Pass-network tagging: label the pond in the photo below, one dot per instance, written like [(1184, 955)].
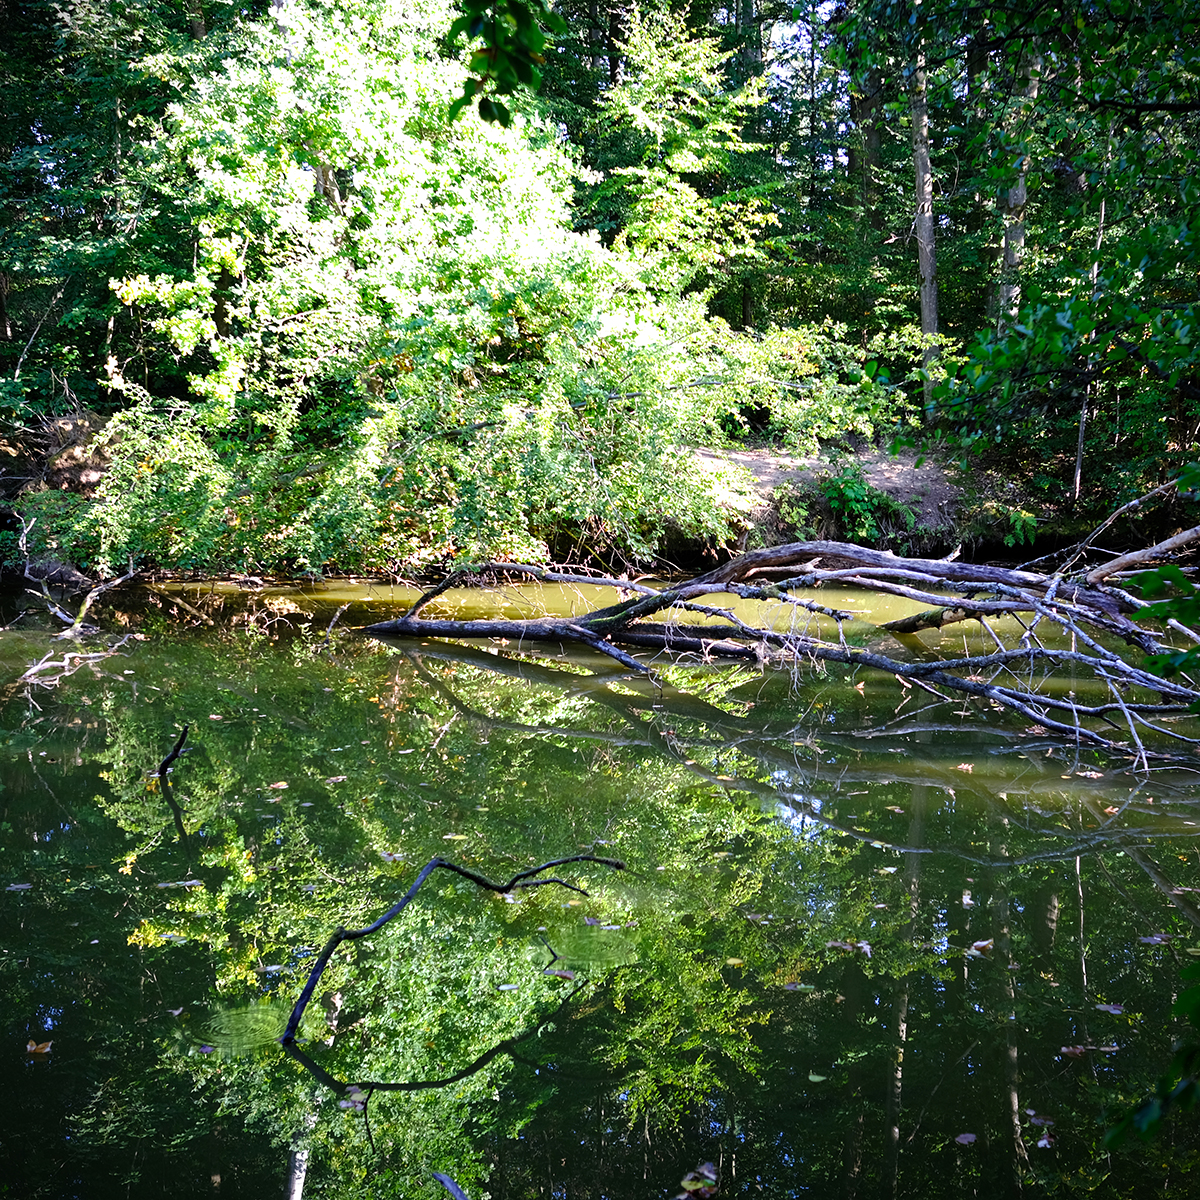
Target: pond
[(866, 941)]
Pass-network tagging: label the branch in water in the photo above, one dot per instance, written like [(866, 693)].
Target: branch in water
[(522, 879)]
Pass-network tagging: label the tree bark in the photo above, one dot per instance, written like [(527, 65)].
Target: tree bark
[(923, 226), (1015, 199), (195, 13), (895, 1093)]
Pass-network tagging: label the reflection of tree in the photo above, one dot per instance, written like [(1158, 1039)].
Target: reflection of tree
[(700, 1039)]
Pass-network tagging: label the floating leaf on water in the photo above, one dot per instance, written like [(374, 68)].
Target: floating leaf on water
[(1034, 1119), (1115, 1009), (454, 837), (980, 948), (1157, 939), (215, 717), (734, 962), (1046, 1141), (591, 920), (965, 1139), (1112, 810), (559, 974), (506, 987), (895, 808), (968, 767), (278, 786), (799, 987), (813, 1077), (33, 1047), (861, 947), (182, 883), (18, 887), (1076, 1051), (887, 870), (337, 779)]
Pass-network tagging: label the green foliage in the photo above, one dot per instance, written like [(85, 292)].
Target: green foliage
[(1178, 1088), (845, 506), (514, 36)]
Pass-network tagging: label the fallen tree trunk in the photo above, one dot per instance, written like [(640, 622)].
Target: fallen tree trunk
[(1087, 621)]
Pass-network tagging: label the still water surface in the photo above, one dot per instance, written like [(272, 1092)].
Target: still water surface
[(867, 943)]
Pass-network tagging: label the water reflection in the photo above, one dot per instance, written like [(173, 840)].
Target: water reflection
[(869, 941)]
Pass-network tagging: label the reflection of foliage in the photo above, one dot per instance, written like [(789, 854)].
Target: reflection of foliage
[(1178, 1089), (721, 1014)]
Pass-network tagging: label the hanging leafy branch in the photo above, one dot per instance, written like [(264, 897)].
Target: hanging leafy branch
[(513, 36)]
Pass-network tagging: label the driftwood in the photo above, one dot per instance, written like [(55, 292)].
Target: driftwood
[(1087, 618)]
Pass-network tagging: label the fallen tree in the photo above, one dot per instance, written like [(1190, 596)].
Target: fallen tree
[(1082, 622)]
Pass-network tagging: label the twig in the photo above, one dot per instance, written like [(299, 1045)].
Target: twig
[(332, 623)]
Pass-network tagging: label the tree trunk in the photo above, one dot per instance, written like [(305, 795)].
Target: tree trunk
[(1010, 1053), (195, 14), (1015, 199), (595, 37), (912, 878), (923, 221), (614, 53)]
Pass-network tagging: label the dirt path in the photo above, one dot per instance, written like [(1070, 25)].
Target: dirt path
[(929, 489)]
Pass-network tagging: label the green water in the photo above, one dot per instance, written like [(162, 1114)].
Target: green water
[(823, 870)]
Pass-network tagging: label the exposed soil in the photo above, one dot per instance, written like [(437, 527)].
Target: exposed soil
[(929, 490)]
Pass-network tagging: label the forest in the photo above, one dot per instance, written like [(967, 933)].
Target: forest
[(481, 786), (318, 288)]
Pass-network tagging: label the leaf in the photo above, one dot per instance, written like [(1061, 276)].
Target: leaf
[(813, 1077), (1115, 1009), (861, 947), (559, 974), (337, 779), (18, 887), (968, 767), (33, 1047), (278, 786), (965, 1139)]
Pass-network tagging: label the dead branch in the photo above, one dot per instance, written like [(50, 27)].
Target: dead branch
[(1136, 558), (1088, 619), (522, 879)]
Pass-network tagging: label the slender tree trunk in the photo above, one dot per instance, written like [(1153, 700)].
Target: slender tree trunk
[(923, 221), (912, 879), (5, 321), (298, 1161), (614, 54), (195, 13), (595, 37), (1016, 197), (1077, 482), (1010, 1052), (854, 988), (872, 143), (750, 35)]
